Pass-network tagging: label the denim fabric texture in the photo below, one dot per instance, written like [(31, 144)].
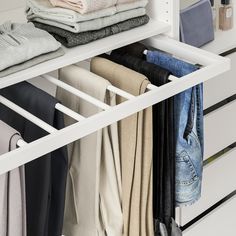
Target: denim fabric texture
[(188, 107)]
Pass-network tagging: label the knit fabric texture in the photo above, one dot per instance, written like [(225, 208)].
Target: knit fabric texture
[(69, 39)]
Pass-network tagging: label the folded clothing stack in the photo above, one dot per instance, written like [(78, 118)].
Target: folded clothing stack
[(29, 45), (86, 20)]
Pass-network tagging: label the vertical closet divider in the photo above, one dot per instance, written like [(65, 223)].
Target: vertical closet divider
[(27, 115)]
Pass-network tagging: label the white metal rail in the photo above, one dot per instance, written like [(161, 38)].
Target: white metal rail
[(213, 66), (76, 92), (27, 115), (21, 143)]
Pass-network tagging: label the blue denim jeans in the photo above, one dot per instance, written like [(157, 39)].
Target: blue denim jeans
[(188, 108)]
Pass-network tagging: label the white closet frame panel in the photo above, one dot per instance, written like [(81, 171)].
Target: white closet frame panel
[(213, 65), (166, 11)]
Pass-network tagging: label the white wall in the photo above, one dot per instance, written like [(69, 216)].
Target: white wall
[(11, 4), (12, 10)]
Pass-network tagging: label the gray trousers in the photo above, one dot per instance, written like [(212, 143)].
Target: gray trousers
[(12, 189)]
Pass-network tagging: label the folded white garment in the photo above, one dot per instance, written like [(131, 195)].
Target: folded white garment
[(95, 24), (43, 9), (85, 6), (22, 42)]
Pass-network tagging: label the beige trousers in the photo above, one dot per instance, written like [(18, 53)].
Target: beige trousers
[(12, 189), (93, 195), (135, 133)]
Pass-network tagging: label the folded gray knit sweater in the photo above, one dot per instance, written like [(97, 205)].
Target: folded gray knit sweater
[(69, 39), (22, 42)]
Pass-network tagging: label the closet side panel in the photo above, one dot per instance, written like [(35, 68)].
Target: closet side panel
[(166, 11)]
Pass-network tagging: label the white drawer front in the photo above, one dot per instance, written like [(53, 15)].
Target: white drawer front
[(221, 87), (220, 129), (219, 179), (221, 222)]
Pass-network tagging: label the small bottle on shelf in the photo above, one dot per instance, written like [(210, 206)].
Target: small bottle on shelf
[(226, 15)]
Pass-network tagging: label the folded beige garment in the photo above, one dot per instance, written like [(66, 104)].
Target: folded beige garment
[(86, 6)]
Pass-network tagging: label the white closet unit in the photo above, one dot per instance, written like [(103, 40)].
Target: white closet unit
[(161, 32), (163, 25)]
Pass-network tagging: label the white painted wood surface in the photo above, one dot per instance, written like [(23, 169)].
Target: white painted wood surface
[(220, 129), (219, 179), (224, 40), (220, 222), (222, 86)]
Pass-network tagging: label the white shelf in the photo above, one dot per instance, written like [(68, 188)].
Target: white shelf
[(224, 41), (84, 52)]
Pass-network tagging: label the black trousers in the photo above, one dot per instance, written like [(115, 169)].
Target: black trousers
[(163, 135), (46, 176)]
